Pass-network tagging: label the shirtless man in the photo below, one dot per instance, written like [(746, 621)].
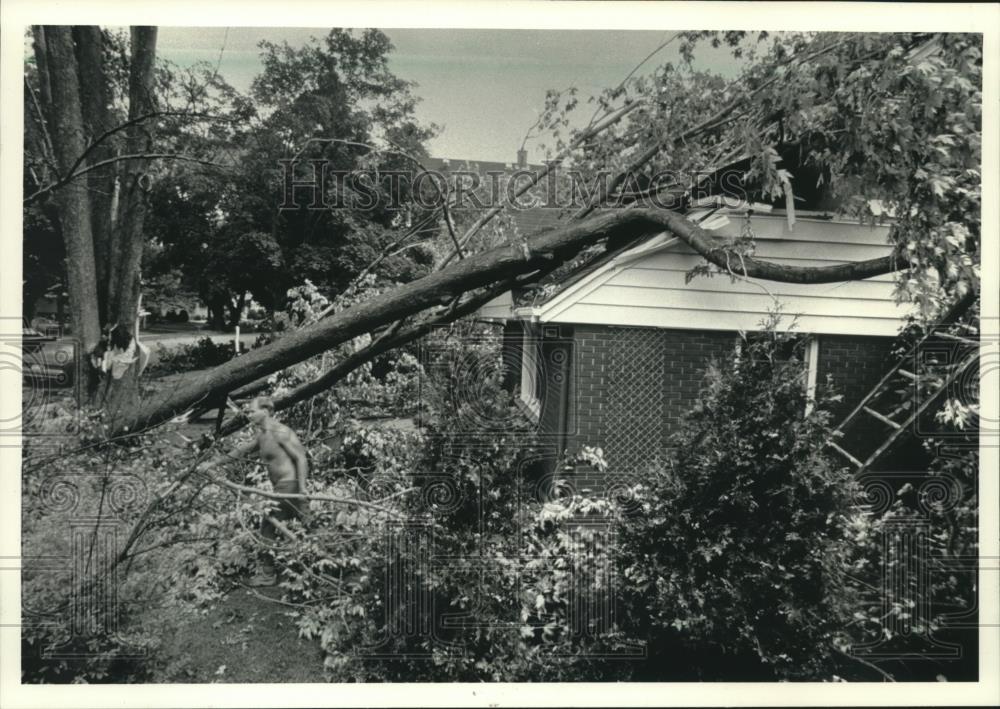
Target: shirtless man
[(287, 466)]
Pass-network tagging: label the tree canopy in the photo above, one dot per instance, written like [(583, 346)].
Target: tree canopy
[(330, 100), (887, 125), (168, 181)]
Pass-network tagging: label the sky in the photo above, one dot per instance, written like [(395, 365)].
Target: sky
[(483, 87)]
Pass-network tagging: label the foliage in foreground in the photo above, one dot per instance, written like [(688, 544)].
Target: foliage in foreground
[(187, 357), (744, 555), (731, 558)]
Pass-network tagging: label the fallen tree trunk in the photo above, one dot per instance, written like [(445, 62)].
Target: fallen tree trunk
[(478, 271), (391, 339)]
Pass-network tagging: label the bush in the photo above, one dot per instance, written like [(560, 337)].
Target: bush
[(733, 560), (456, 492), (732, 569), (914, 566), (201, 354), (729, 560)]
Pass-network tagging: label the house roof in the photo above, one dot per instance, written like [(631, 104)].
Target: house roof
[(647, 280), (480, 166), (647, 283), (528, 221), (602, 256)]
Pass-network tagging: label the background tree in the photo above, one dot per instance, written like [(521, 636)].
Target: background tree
[(890, 117), (331, 100)]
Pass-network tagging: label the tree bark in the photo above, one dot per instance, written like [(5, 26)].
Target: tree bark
[(217, 313), (95, 101), (478, 271), (121, 394), (42, 62), (55, 52), (236, 310), (387, 341)]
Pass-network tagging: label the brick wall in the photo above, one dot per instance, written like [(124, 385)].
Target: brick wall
[(604, 353), (589, 381), (854, 364), (688, 352)]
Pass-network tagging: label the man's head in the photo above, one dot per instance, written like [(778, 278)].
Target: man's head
[(261, 408)]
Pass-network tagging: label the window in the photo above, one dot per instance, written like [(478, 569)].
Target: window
[(808, 346), (812, 367), (531, 377)]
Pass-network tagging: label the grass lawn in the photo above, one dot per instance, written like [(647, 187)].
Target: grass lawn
[(243, 638)]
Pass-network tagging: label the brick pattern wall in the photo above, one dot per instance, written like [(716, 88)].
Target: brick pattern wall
[(602, 355), (855, 365), (635, 376), (688, 352), (590, 392)]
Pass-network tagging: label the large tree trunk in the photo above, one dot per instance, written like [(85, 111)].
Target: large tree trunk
[(475, 272), (217, 312), (236, 310), (103, 250), (121, 393), (57, 64), (95, 101)]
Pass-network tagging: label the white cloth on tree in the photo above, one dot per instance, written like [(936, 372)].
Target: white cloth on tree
[(143, 358), (120, 360), (360, 342)]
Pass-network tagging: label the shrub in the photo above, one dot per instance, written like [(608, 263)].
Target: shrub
[(201, 354), (733, 560), (917, 603), (569, 585), (456, 492), (731, 570), (728, 561), (914, 565)]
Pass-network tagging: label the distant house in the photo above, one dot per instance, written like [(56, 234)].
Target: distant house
[(613, 353)]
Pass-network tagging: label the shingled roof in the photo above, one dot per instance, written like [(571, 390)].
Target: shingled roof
[(528, 221)]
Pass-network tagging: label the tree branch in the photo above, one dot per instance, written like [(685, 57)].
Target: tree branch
[(477, 271), (536, 177), (132, 122), (48, 154), (708, 247), (888, 677), (137, 156), (301, 496), (393, 338)]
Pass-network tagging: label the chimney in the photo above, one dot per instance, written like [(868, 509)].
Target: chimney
[(522, 158)]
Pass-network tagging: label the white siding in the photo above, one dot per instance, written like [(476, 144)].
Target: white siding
[(650, 289)]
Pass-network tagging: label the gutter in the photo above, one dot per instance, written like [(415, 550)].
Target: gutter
[(529, 313)]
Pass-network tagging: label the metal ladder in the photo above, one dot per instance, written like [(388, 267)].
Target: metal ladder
[(940, 376)]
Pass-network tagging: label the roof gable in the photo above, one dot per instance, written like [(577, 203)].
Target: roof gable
[(646, 285)]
